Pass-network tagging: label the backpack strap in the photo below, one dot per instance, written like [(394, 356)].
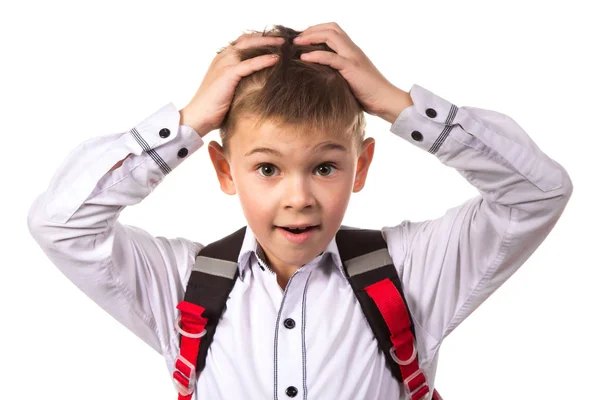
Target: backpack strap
[(370, 272), (372, 275), (211, 280)]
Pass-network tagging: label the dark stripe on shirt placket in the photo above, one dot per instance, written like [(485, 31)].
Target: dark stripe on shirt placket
[(304, 337)]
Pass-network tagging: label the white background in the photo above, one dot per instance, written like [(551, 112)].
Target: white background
[(73, 70)]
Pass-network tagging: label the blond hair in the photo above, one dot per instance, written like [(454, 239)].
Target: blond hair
[(303, 96)]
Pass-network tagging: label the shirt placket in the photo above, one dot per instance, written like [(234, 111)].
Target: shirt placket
[(288, 344)]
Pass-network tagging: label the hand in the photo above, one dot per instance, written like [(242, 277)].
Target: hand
[(212, 100), (373, 91)]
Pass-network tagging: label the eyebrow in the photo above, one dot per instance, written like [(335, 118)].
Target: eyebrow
[(325, 146)]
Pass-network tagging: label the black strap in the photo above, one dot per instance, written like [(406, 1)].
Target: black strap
[(210, 284), (366, 260)]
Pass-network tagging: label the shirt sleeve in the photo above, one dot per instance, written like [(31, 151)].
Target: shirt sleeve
[(450, 265), (134, 276)]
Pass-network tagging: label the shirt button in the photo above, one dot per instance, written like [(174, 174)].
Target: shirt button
[(291, 391), (289, 323), (164, 133), (182, 152), (430, 113), (416, 135)]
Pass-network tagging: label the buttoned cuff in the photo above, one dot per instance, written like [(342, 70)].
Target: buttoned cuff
[(427, 122), (163, 139)]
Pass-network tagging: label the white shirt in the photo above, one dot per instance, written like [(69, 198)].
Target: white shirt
[(448, 266)]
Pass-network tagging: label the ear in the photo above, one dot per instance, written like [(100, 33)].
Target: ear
[(363, 163), (222, 167)]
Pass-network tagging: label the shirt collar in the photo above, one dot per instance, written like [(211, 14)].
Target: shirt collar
[(251, 246)]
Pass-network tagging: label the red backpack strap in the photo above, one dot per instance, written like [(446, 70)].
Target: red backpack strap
[(373, 277), (403, 350), (193, 327), (211, 280)]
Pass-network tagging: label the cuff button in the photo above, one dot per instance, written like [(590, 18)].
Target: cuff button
[(182, 152), (164, 133), (430, 113), (416, 135)]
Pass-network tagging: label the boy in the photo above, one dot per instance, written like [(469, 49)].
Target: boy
[(293, 150)]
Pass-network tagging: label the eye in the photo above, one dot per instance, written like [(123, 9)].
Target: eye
[(268, 168), (326, 167)]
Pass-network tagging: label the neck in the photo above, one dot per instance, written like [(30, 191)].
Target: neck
[(283, 272), (267, 262)]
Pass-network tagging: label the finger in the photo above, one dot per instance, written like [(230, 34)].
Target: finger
[(254, 64), (252, 41), (259, 41), (318, 27), (329, 37), (326, 57)]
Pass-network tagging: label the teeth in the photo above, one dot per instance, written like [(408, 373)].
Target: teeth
[(297, 229)]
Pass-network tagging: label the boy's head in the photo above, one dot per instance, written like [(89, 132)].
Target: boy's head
[(293, 149)]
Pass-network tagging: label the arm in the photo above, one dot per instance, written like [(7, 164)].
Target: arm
[(131, 274), (450, 265)]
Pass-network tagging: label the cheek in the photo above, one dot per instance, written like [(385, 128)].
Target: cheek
[(255, 203), (336, 197), (337, 204)]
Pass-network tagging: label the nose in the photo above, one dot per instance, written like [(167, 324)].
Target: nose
[(299, 193)]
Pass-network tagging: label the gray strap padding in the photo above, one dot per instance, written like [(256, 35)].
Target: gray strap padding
[(368, 262), (214, 266)]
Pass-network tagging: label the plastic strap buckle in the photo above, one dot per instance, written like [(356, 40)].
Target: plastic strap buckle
[(410, 378), (401, 362), (189, 389), (188, 334)]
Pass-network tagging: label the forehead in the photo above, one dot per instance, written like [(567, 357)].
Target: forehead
[(285, 137)]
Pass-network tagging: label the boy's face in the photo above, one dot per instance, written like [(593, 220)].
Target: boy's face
[(296, 183)]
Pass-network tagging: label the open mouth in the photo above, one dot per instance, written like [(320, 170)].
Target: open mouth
[(298, 231)]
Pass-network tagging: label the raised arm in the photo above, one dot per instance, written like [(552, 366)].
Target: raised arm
[(451, 264), (138, 278), (125, 270)]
